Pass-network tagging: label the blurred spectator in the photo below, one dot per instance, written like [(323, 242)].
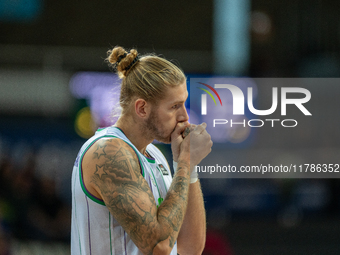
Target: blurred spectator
[(30, 208), (217, 243), (6, 177), (6, 180), (5, 242), (23, 189), (49, 216)]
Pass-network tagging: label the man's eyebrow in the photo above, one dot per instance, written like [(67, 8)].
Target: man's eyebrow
[(181, 101), (178, 102)]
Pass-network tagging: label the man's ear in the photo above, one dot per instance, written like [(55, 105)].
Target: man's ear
[(142, 108)]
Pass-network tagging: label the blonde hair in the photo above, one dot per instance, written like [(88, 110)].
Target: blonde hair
[(145, 77)]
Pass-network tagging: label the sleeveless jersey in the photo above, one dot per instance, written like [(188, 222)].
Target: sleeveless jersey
[(94, 230)]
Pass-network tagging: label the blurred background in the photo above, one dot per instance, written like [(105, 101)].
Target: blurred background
[(56, 89)]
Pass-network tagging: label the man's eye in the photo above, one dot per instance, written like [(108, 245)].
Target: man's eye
[(175, 106)]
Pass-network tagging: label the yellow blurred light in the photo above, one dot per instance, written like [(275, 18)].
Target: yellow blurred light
[(84, 124)]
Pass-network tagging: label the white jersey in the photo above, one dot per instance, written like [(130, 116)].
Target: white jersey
[(94, 230)]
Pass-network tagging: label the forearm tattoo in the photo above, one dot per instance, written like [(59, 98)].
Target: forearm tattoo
[(130, 200)]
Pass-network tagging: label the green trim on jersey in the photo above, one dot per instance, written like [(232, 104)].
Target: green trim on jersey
[(89, 195), (150, 160)]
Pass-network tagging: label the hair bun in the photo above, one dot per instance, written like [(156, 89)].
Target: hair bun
[(121, 60)]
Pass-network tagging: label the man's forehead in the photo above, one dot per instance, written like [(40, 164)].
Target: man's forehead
[(177, 93)]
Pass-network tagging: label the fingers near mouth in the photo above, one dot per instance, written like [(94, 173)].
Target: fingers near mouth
[(186, 132)]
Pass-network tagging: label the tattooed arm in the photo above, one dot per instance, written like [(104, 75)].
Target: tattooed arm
[(112, 172), (191, 238)]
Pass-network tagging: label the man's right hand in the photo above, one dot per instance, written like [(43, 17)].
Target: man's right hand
[(196, 145)]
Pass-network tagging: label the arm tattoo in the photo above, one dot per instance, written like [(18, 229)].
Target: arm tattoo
[(173, 208), (100, 151), (130, 200)]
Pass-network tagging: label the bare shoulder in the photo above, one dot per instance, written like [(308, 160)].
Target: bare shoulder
[(110, 152), (110, 161), (114, 158)]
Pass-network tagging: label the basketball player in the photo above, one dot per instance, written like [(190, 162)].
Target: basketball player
[(124, 200)]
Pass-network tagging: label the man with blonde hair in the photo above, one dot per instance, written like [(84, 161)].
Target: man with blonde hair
[(124, 200)]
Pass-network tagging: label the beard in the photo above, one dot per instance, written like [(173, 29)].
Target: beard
[(154, 129)]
